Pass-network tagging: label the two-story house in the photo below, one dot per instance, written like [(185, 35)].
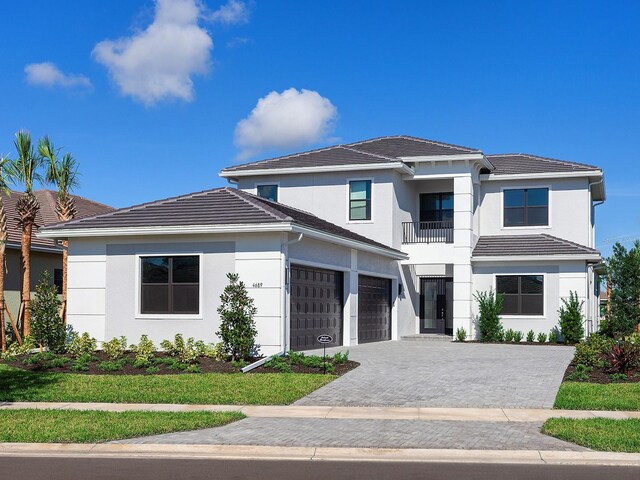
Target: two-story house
[(368, 241)]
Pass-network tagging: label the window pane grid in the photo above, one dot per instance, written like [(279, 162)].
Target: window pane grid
[(179, 293), (526, 207), (360, 200), (522, 294)]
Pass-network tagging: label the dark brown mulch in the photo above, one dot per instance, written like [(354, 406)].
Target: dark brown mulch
[(340, 369), (546, 344), (601, 375)]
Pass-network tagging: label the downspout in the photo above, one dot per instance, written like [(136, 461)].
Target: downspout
[(593, 208)]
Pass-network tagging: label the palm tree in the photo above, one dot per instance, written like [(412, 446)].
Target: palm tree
[(24, 169), (64, 174), (4, 188)]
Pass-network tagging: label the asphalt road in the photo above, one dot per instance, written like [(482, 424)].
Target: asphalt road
[(51, 468)]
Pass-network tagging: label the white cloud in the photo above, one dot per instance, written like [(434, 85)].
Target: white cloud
[(46, 74), (157, 64), (231, 13), (285, 120)]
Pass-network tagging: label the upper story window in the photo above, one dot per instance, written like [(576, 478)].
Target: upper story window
[(270, 192), (170, 285), (360, 200), (523, 294), (526, 207), (436, 207)]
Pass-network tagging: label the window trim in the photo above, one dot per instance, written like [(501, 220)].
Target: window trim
[(521, 274), (453, 210), (167, 316), (348, 185), (263, 184), (525, 227)]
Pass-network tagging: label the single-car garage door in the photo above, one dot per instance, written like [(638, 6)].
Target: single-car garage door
[(374, 309), (316, 306)]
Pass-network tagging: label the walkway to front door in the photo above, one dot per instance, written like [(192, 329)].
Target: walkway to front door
[(444, 374)]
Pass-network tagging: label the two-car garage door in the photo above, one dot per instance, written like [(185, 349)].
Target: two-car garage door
[(317, 307)]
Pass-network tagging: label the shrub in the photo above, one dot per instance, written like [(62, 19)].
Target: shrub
[(461, 334), (618, 377), (517, 336), (542, 337), (531, 336), (194, 369), (47, 327), (15, 348), (340, 358), (297, 358), (571, 319), (82, 363), (239, 363), (115, 348), (591, 351), (143, 351), (40, 360), (623, 277), (152, 369), (278, 363), (489, 324), (623, 356), (553, 336), (112, 365), (185, 351), (84, 344), (215, 352), (509, 335), (237, 327), (581, 373)]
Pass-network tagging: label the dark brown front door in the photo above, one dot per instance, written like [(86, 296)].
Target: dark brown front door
[(316, 306), (374, 309), (436, 305)]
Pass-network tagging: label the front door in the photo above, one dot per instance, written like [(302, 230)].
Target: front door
[(436, 305)]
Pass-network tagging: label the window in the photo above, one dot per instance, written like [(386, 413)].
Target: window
[(436, 207), (526, 207), (170, 285), (523, 294), (57, 279), (270, 192), (360, 200)]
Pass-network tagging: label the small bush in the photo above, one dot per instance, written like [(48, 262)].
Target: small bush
[(152, 370), (509, 335), (591, 351), (340, 358), (542, 337), (461, 334), (47, 327), (40, 360), (296, 358), (144, 352), (215, 352), (239, 363), (187, 351), (59, 362), (553, 336), (517, 336), (115, 348), (571, 319), (618, 377), (531, 336), (237, 327), (82, 363), (278, 363), (112, 365), (489, 324), (623, 356), (14, 349), (581, 373), (83, 344)]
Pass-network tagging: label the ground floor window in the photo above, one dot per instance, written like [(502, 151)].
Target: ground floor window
[(57, 279), (170, 285), (523, 294)]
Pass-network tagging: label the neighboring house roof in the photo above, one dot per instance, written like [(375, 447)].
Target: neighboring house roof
[(523, 163), (529, 245), (46, 215), (219, 207)]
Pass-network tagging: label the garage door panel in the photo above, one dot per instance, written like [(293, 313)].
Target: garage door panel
[(374, 309), (316, 306)]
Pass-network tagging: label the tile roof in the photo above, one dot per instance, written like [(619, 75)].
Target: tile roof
[(407, 146), (219, 206), (46, 215), (519, 163), (534, 244)]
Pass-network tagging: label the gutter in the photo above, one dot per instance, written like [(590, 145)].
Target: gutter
[(536, 258), (235, 174)]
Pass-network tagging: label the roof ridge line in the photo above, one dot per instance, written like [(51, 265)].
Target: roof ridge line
[(378, 155), (247, 198), (423, 140)]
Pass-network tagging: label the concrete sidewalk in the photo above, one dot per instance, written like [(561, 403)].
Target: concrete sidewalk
[(372, 413)]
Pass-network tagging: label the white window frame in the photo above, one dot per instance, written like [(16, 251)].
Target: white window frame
[(168, 316), (263, 184), (520, 274), (348, 186), (525, 227)]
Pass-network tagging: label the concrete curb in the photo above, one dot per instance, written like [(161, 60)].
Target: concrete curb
[(250, 452), (375, 413)]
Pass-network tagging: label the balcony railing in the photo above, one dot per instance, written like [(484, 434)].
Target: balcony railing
[(427, 232)]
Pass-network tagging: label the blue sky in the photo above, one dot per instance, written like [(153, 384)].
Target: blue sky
[(146, 120)]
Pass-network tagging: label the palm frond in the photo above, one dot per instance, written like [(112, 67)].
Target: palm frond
[(66, 177), (5, 174), (25, 168)]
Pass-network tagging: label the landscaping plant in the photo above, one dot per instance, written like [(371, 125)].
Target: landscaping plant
[(571, 319), (623, 356), (517, 336), (542, 337), (47, 328), (115, 348), (237, 327), (83, 344), (144, 352), (553, 336), (531, 336), (461, 334), (509, 335), (489, 325)]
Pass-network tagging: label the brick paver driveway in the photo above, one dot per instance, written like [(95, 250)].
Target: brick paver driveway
[(445, 374)]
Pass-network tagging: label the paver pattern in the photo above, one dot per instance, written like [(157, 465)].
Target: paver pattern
[(443, 374), (316, 432)]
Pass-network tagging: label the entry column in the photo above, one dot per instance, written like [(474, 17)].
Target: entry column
[(462, 243)]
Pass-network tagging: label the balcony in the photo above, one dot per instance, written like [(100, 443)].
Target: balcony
[(427, 232)]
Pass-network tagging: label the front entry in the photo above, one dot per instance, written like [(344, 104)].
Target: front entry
[(436, 305)]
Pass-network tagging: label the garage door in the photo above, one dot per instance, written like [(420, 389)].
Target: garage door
[(316, 306), (374, 309)]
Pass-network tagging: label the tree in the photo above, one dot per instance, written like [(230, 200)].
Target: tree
[(623, 281), (489, 325), (24, 169), (63, 173), (47, 328), (4, 188), (237, 327), (571, 319)]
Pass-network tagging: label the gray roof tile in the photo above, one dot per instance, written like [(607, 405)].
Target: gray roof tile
[(519, 163), (407, 146), (534, 244)]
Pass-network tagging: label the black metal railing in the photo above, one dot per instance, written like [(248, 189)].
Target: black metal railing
[(427, 232)]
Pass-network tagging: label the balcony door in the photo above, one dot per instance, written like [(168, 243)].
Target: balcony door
[(436, 305)]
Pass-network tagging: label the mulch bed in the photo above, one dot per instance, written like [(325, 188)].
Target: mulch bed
[(600, 375), (340, 369), (546, 344)]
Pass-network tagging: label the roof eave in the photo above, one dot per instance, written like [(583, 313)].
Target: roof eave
[(535, 176), (593, 257), (234, 174)]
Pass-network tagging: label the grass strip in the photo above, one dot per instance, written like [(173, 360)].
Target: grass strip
[(92, 426), (603, 434), (598, 396)]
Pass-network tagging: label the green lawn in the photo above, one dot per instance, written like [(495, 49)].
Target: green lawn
[(597, 433), (89, 426), (597, 396), (17, 385)]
